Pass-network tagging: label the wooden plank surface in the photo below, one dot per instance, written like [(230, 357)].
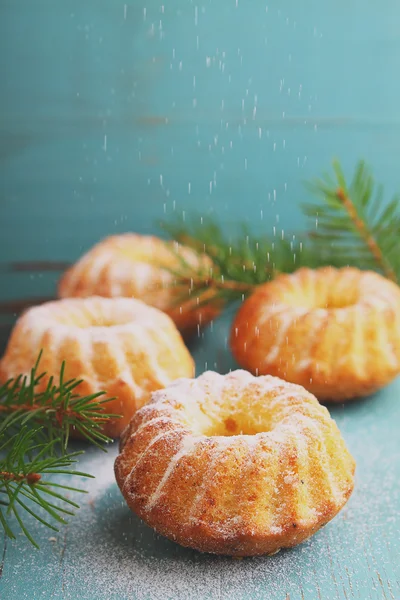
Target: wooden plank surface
[(114, 115), (107, 553)]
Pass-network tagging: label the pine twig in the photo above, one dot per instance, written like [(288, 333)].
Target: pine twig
[(56, 411), (365, 234), (239, 264), (352, 227), (26, 487), (353, 222), (35, 424), (194, 293)]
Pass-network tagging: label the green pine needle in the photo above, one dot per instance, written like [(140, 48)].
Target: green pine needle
[(352, 221), (348, 225), (54, 412), (34, 432), (240, 263), (25, 484)]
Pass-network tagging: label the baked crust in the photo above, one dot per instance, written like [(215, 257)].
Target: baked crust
[(334, 331), (120, 346), (234, 464), (136, 266)]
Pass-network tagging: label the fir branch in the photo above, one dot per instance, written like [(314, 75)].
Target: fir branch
[(352, 221), (26, 488), (239, 264), (35, 423), (352, 227), (366, 234), (58, 409), (194, 286)]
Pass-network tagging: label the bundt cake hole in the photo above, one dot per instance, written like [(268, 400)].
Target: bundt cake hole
[(151, 257), (332, 302), (327, 298), (336, 303), (336, 298), (134, 253), (240, 496), (229, 427), (231, 418), (85, 320)]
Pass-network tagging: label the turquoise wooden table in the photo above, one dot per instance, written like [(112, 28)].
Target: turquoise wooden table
[(117, 113), (108, 553)]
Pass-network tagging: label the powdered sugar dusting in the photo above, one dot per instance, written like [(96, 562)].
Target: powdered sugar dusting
[(268, 413), (107, 553), (189, 444), (319, 316), (101, 465), (285, 320), (160, 436), (130, 265), (120, 557), (110, 554), (96, 327)]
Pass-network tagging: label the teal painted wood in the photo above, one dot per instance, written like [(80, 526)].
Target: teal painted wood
[(106, 553), (114, 114)]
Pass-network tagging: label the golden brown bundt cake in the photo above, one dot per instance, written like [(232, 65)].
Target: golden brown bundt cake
[(234, 464), (120, 346), (334, 331), (136, 266)]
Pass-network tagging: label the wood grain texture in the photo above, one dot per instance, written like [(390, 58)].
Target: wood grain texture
[(33, 266), (114, 115), (107, 553), (119, 113), (14, 307)]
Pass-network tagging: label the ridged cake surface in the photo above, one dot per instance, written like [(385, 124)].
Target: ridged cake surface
[(120, 346), (334, 331), (137, 266), (234, 464)]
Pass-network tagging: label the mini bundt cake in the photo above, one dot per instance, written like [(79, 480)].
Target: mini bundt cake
[(334, 331), (235, 464), (138, 266), (120, 346)]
